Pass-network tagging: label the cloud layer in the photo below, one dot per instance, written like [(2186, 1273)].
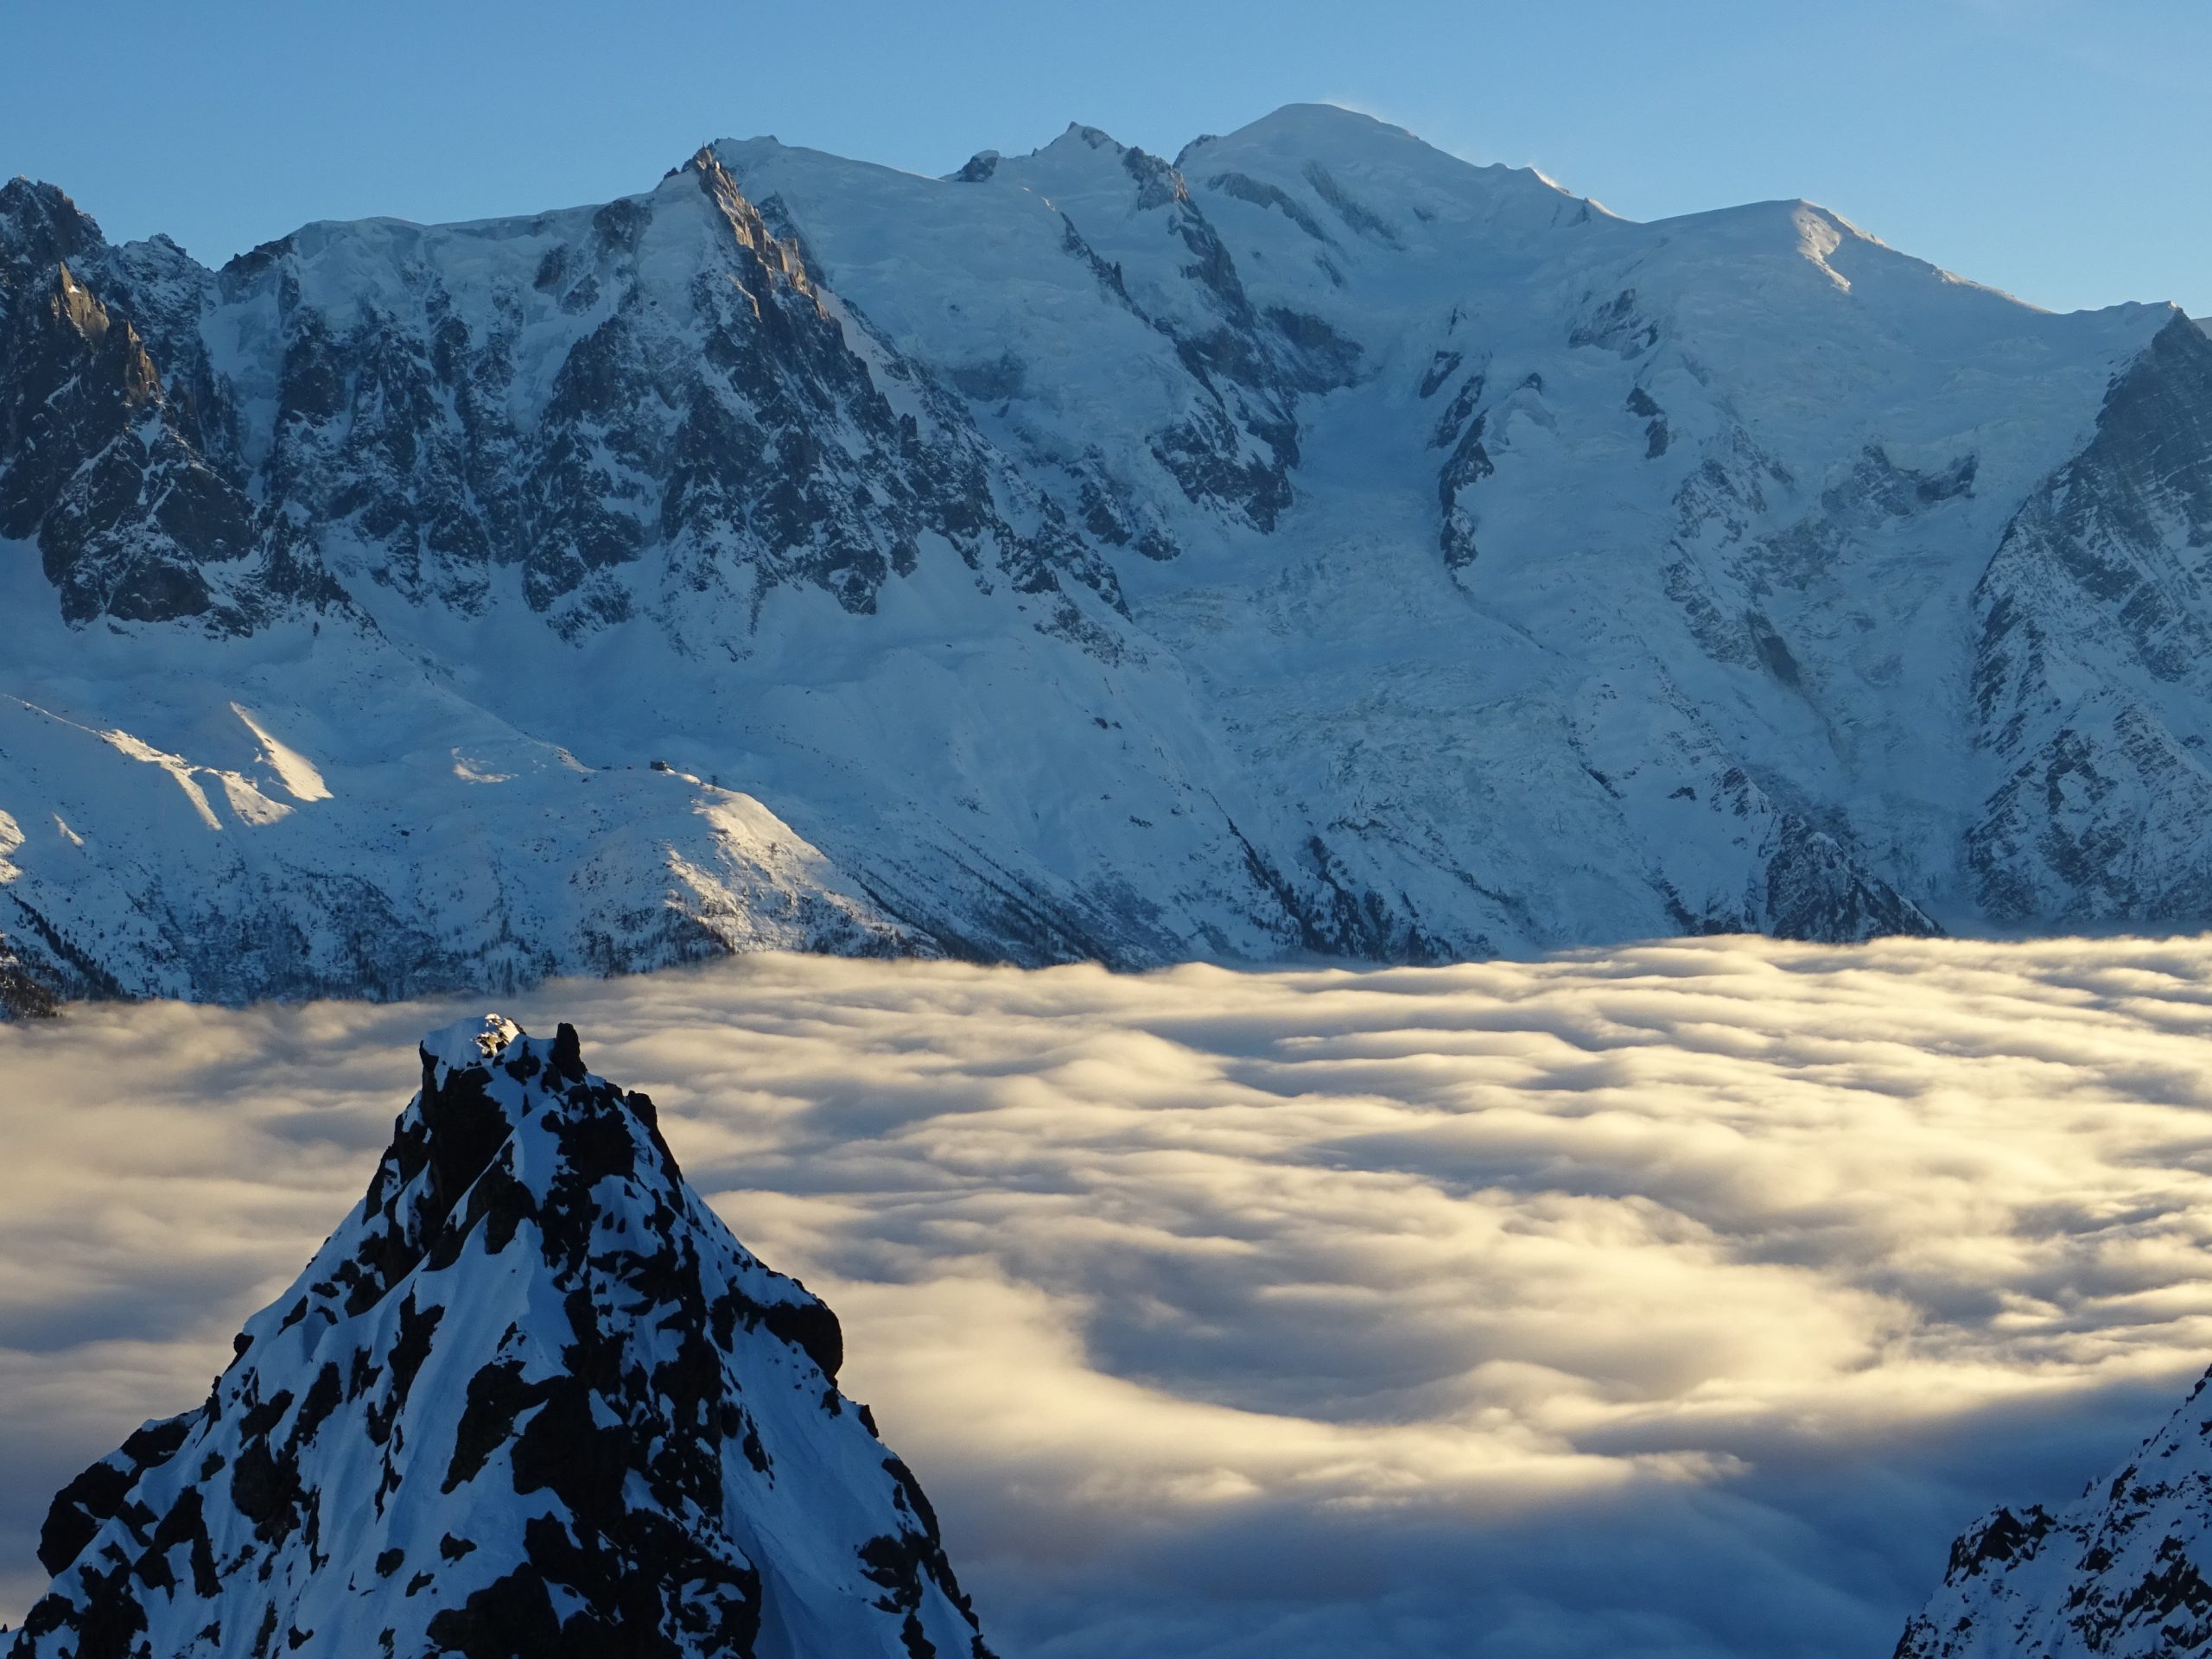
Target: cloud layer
[(1677, 1300)]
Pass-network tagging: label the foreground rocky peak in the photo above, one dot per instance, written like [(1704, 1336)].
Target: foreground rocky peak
[(2124, 1571), (531, 1398)]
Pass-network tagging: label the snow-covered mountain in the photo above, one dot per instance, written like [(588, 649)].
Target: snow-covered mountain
[(1316, 544), (2119, 1573), (531, 1397)]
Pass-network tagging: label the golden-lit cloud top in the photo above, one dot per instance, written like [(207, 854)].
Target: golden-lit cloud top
[(1679, 1299)]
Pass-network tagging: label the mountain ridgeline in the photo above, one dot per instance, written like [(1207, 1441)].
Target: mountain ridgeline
[(1314, 546)]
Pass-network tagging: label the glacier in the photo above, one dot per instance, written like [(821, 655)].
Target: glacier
[(1314, 546)]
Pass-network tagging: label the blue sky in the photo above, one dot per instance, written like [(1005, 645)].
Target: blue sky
[(2054, 147)]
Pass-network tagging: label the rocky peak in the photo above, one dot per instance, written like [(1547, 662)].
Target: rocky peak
[(40, 226), (2121, 1572), (1083, 161), (531, 1397), (77, 310), (780, 256), (1089, 137), (106, 472)]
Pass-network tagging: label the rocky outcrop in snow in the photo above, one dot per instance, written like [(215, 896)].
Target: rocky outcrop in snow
[(531, 1397), (2119, 1573)]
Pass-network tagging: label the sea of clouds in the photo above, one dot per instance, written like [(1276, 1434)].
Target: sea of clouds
[(1680, 1300)]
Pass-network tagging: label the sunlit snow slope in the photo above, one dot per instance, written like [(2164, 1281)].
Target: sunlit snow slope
[(1317, 544)]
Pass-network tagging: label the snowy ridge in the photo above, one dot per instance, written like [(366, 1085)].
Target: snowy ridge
[(531, 1397), (1312, 545), (2119, 1573)]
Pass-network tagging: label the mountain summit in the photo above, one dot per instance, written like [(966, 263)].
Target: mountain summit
[(1314, 545), (530, 1399)]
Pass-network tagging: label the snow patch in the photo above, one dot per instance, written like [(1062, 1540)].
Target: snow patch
[(247, 801), (176, 765), (296, 773), (472, 772)]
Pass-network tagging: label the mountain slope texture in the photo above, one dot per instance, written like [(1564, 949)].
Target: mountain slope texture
[(1314, 545), (530, 1399), (2120, 1574)]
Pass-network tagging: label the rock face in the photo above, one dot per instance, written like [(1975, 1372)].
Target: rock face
[(530, 1399), (1315, 544), (2120, 1574), (104, 467)]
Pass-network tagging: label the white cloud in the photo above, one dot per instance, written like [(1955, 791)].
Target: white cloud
[(1678, 1299)]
